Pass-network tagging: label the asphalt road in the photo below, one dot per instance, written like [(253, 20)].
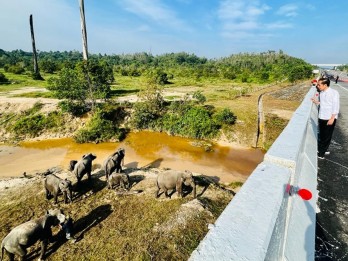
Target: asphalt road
[(332, 220)]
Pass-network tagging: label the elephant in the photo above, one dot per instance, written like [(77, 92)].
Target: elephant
[(27, 234), (84, 166), (119, 179), (113, 162), (174, 179), (54, 185)]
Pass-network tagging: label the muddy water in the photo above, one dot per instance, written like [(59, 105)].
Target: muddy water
[(142, 149)]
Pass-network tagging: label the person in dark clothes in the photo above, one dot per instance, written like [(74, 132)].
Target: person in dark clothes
[(336, 80), (329, 102)]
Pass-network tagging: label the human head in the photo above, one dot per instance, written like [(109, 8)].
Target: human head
[(323, 83), (314, 82)]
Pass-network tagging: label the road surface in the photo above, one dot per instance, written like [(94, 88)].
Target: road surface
[(332, 220)]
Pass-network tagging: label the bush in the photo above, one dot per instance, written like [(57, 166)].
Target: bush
[(196, 122), (3, 79), (75, 108), (224, 116), (98, 129), (198, 95), (144, 117), (33, 125)]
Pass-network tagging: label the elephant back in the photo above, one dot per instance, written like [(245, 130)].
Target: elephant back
[(168, 178)]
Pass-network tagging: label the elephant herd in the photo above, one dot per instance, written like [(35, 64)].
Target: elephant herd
[(26, 234)]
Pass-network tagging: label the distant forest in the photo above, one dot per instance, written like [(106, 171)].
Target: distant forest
[(265, 67)]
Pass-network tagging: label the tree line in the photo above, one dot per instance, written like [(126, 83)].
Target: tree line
[(264, 67)]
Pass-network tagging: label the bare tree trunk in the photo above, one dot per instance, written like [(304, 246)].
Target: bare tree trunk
[(85, 52), (36, 75), (83, 29)]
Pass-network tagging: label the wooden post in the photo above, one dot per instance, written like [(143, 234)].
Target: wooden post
[(36, 75), (83, 29)]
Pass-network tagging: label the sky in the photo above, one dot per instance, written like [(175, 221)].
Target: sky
[(313, 30)]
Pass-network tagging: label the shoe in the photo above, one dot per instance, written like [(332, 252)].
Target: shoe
[(321, 157), (327, 153)]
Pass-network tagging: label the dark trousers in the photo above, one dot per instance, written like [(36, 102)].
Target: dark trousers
[(325, 136)]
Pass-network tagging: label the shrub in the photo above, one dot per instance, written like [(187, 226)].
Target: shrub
[(224, 116), (198, 95), (16, 69), (144, 117), (196, 122), (98, 129), (3, 79), (33, 125), (73, 107)]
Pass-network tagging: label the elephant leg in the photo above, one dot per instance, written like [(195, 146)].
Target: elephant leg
[(166, 192), (179, 190), (89, 175), (43, 248), (10, 255), (18, 250), (65, 197), (56, 198), (157, 192), (47, 194), (122, 185)]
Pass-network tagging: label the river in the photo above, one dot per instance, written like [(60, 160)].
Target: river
[(143, 149)]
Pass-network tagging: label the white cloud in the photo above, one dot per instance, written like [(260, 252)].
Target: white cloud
[(241, 10), (289, 10), (156, 11), (241, 19)]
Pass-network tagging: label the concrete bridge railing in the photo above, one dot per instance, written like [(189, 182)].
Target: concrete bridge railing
[(263, 221)]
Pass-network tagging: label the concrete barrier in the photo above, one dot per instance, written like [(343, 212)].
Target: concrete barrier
[(264, 221)]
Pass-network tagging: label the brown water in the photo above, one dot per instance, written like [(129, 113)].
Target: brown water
[(142, 149)]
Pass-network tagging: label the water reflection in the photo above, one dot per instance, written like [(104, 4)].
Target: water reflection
[(142, 149)]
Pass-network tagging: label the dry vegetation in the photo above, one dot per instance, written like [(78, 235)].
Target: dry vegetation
[(113, 226)]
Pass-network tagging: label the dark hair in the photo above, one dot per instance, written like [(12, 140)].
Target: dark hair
[(324, 81)]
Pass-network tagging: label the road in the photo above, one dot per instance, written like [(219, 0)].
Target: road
[(332, 220)]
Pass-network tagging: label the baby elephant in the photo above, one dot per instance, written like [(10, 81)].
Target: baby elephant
[(54, 185), (28, 233), (173, 179), (84, 166), (118, 179)]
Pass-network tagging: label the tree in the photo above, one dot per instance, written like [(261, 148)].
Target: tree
[(36, 74)]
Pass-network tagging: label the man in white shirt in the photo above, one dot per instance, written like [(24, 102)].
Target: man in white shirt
[(328, 112)]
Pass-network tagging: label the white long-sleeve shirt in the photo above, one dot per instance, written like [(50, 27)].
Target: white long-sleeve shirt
[(329, 104)]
